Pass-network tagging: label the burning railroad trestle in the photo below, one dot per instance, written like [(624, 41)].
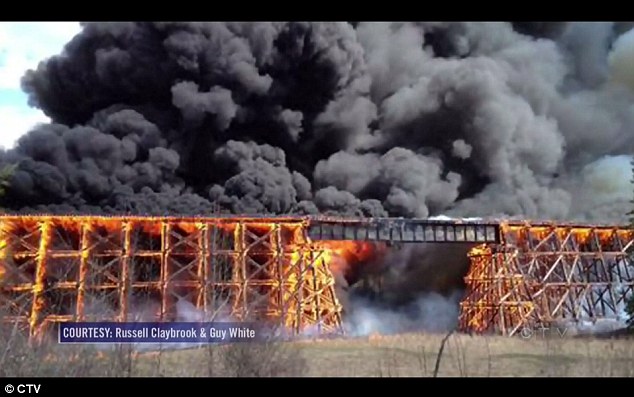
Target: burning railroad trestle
[(89, 268), (544, 275), (57, 269)]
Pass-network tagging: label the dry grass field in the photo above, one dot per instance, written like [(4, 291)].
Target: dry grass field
[(376, 356)]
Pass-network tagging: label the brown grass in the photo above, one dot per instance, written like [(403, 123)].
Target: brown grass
[(20, 357), (416, 355), (399, 355)]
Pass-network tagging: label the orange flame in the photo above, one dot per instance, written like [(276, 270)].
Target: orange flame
[(3, 256), (339, 255)]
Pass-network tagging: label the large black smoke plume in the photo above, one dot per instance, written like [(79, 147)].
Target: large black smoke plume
[(405, 119), (402, 119)]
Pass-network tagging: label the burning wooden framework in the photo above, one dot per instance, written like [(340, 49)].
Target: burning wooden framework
[(89, 268), (547, 275), (85, 268)]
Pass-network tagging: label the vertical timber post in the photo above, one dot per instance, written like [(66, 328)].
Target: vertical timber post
[(239, 272), (124, 280), (502, 285), (165, 293), (84, 254), (39, 286), (279, 270), (316, 293), (301, 268), (203, 282), (213, 268)]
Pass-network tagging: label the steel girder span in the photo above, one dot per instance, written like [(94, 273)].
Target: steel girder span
[(56, 269), (548, 275)]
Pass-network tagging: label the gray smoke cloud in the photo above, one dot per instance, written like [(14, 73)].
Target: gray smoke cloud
[(399, 119), (422, 286)]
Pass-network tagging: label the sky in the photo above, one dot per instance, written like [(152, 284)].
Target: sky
[(22, 46)]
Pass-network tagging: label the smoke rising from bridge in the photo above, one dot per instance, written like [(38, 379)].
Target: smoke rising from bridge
[(405, 119), (527, 120)]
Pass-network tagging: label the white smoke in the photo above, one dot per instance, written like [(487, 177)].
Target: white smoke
[(603, 190), (431, 312), (449, 218), (621, 59)]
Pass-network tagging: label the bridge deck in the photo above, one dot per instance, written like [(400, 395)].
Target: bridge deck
[(405, 230)]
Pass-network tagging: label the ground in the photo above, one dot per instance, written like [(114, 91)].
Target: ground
[(415, 355), (375, 356)]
